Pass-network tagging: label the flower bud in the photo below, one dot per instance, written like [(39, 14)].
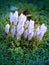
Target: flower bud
[(7, 27)]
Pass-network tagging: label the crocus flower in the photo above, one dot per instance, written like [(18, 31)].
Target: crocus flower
[(7, 27), (37, 30), (19, 27), (26, 29), (13, 30), (19, 32), (31, 29), (40, 31), (30, 35), (31, 24), (22, 19), (43, 28), (13, 17), (40, 34), (26, 33)]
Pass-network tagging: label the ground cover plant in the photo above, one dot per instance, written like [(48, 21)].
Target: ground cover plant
[(12, 51)]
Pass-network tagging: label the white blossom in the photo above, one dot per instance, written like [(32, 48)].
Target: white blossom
[(40, 31), (13, 17), (20, 31), (20, 26), (31, 29), (26, 33), (37, 31), (22, 19), (30, 35), (43, 28), (7, 27), (13, 30), (26, 29), (40, 34)]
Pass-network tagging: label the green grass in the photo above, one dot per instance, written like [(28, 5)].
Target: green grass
[(14, 52)]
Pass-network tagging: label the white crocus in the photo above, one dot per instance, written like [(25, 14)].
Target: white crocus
[(13, 17), (43, 28), (26, 27), (37, 31), (22, 19), (20, 26), (41, 31), (31, 29), (7, 27), (40, 34), (13, 30), (20, 31), (26, 33)]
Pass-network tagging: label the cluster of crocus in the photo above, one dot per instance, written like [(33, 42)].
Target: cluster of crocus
[(20, 25)]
